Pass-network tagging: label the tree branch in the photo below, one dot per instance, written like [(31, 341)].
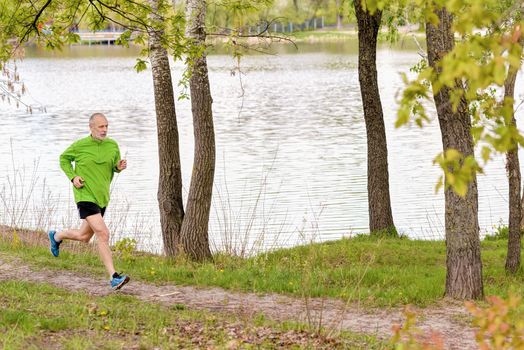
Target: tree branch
[(35, 21), (112, 19), (123, 14)]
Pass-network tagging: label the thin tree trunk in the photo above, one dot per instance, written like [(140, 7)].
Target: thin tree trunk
[(194, 234), (380, 215), (170, 177), (514, 178), (339, 14), (464, 266)]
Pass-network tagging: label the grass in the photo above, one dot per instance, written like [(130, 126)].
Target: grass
[(373, 271), (314, 35), (36, 316)]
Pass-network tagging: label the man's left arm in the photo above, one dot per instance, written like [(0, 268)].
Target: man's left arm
[(120, 164)]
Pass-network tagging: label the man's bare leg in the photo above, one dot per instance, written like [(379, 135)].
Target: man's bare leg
[(97, 224), (83, 234)]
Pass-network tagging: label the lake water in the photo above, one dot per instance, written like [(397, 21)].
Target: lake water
[(291, 153)]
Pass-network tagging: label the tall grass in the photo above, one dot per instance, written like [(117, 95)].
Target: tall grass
[(247, 223), (18, 196)]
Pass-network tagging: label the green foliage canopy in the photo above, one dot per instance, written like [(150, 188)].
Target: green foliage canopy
[(51, 23)]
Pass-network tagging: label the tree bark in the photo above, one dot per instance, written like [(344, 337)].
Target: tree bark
[(514, 178), (463, 262), (194, 234), (380, 215), (170, 177)]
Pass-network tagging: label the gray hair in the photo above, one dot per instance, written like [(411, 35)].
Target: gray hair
[(94, 115)]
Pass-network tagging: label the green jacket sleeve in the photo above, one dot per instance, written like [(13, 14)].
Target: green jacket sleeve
[(66, 160)]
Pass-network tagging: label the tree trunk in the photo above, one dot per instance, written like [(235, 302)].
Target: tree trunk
[(464, 266), (380, 216), (170, 177), (194, 234), (514, 178), (339, 14)]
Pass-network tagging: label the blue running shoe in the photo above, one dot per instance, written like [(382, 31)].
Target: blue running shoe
[(119, 281), (54, 246)]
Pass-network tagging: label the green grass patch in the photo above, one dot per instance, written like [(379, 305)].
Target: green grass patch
[(324, 35), (35, 316), (318, 36), (374, 271)]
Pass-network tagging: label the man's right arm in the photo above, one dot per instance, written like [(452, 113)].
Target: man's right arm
[(66, 160)]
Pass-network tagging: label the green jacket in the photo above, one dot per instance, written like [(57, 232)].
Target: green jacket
[(96, 162)]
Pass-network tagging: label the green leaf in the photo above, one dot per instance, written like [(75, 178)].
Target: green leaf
[(72, 38), (124, 38), (460, 188), (452, 154), (403, 115), (486, 153), (140, 65), (439, 184)]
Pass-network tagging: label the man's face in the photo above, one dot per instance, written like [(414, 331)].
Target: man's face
[(98, 127)]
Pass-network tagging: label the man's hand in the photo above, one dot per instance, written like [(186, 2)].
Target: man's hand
[(78, 182), (122, 164)]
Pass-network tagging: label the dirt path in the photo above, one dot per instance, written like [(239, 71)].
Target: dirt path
[(447, 318)]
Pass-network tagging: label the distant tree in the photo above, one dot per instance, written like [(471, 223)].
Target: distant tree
[(340, 14)]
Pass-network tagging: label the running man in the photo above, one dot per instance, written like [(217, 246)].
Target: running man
[(96, 158)]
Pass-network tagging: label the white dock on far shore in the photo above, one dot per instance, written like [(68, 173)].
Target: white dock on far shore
[(103, 37)]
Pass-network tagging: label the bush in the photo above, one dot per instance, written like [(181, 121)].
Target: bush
[(498, 325), (125, 248), (501, 232)]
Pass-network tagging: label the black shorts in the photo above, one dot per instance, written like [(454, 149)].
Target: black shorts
[(86, 209)]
